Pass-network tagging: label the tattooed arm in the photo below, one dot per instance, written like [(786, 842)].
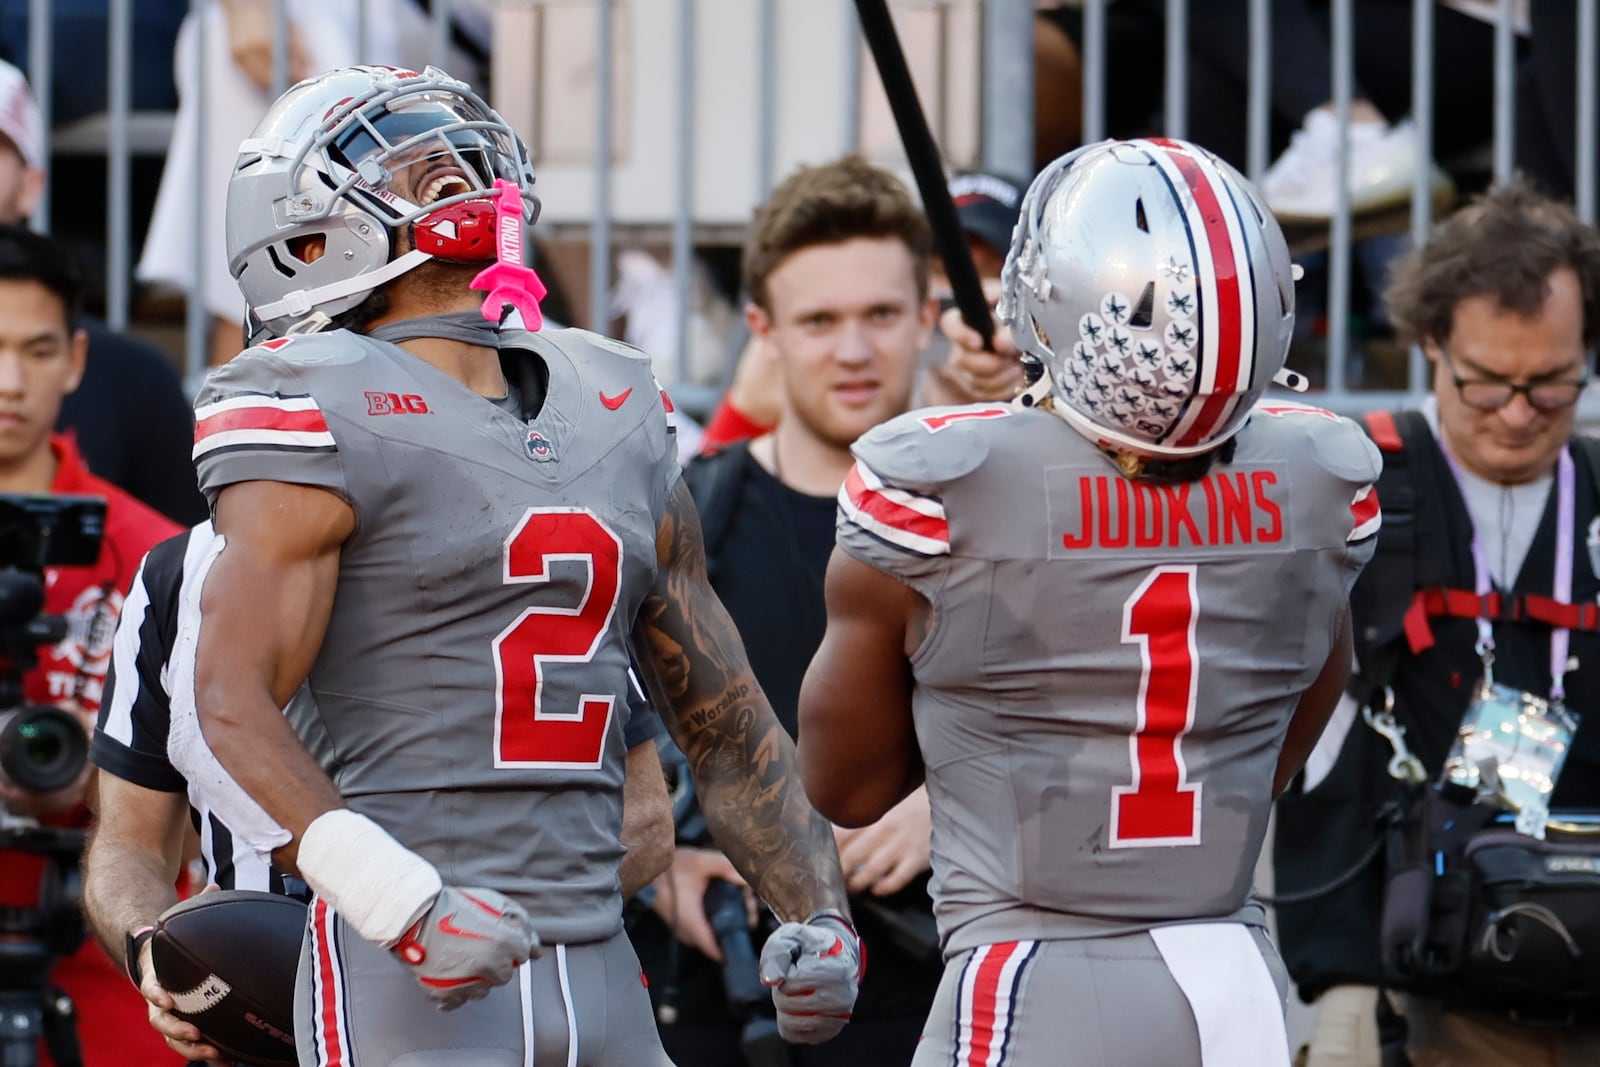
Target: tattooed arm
[(742, 760)]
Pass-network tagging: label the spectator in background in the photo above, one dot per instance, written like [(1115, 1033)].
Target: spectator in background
[(42, 358), (1504, 300), (987, 205), (837, 268), (238, 42), (128, 415)]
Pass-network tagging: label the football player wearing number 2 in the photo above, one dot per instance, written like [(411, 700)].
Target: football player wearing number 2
[(450, 525), (1105, 623)]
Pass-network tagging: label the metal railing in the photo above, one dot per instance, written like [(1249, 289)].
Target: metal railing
[(1006, 127)]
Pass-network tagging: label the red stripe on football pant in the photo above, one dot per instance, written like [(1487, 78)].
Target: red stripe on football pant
[(985, 997), (1229, 310), (892, 514), (1365, 508), (329, 1008), (263, 418)]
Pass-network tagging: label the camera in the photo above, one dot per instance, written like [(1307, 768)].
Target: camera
[(741, 977), (42, 749)]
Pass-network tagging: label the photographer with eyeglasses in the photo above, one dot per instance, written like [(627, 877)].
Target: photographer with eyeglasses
[(1438, 862)]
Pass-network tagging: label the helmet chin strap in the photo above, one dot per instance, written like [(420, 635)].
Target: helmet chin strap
[(1035, 395), (302, 302), (1293, 380)]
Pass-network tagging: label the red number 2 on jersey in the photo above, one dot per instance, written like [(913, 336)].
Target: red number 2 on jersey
[(568, 730), (1160, 807)]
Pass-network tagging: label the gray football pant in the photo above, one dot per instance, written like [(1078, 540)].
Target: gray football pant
[(356, 1005), (1199, 995)]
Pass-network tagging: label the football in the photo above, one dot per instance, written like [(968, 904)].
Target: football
[(229, 960)]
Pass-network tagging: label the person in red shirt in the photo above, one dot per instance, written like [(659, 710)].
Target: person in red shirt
[(42, 355)]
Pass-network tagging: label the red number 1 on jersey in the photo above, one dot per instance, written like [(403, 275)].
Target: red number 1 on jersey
[(537, 724), (1160, 807)]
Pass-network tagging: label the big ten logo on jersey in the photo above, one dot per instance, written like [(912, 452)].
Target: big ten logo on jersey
[(395, 404), (1099, 512)]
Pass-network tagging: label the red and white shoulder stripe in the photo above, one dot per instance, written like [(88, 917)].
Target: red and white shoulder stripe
[(1366, 518), (267, 421), (911, 521)]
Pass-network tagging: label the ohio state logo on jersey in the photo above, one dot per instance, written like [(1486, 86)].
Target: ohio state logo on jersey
[(539, 447), (91, 624)]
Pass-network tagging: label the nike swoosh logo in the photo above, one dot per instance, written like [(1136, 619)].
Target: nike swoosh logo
[(612, 403), (447, 926)]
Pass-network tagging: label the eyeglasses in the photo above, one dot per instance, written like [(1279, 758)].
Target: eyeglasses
[(1492, 396)]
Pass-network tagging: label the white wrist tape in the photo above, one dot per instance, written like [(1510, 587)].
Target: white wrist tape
[(375, 883)]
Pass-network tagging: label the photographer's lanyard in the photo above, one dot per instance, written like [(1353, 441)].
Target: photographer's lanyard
[(1561, 637)]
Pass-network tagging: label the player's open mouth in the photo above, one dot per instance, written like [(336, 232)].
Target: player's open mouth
[(443, 186)]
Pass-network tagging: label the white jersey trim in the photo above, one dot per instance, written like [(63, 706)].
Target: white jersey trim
[(322, 440)]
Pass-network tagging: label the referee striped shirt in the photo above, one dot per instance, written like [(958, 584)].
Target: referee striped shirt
[(130, 736)]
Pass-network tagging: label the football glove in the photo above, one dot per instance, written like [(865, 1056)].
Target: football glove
[(468, 942), (814, 969)]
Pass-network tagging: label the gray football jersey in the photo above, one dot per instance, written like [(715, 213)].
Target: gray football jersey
[(471, 690), (1111, 665)]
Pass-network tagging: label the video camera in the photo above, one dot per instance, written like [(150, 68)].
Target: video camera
[(42, 749)]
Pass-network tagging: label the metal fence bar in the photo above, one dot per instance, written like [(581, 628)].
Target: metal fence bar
[(1588, 26), (440, 47), (280, 47), (118, 82), (683, 216), (767, 95), (363, 32), (1258, 115), (1176, 104), (196, 316), (1339, 252), (1505, 119), (41, 69), (1094, 71), (1422, 182), (600, 224), (852, 77), (1008, 87)]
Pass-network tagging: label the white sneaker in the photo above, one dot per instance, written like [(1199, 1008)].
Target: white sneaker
[(1383, 162)]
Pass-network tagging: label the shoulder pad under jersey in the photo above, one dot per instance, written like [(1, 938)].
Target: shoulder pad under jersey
[(257, 417), (1300, 431), (931, 446)]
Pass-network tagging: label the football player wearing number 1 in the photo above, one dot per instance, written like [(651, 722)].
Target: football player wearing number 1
[(449, 526), (1105, 623)]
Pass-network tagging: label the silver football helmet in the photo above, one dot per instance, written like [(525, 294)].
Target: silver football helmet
[(1154, 285), (322, 164)]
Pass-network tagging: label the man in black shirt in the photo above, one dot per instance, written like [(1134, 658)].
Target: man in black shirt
[(837, 271)]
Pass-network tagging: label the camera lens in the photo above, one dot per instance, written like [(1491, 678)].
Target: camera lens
[(41, 749)]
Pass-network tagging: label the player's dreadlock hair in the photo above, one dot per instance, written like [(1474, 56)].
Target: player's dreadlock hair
[(831, 204)]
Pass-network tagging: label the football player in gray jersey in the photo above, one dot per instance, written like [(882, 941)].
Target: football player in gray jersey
[(1105, 624), (450, 527)]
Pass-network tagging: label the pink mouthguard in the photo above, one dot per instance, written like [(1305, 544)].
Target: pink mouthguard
[(507, 280)]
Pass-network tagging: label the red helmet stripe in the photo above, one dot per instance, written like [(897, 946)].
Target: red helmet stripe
[(1229, 305)]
